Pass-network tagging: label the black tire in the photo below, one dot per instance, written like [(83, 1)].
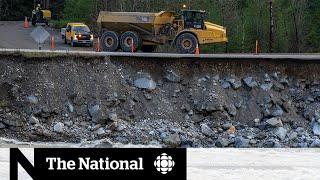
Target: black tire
[(73, 44), (125, 41), (33, 22), (148, 48), (109, 41), (186, 43)]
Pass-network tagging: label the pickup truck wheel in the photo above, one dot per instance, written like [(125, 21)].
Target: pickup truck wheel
[(126, 41), (110, 41), (187, 43), (148, 48)]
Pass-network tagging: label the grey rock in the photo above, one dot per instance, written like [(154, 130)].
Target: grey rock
[(145, 83), (186, 108), (250, 82), (267, 78), (278, 86), (238, 104), (147, 96), (216, 77), (225, 84), (58, 127), (277, 145), (94, 111), (241, 142), (293, 135), (222, 142), (280, 132), (252, 141), (100, 132), (267, 86), (226, 126), (103, 145), (257, 120), (284, 81), (172, 140), (278, 112), (70, 107), (212, 106), (121, 139), (315, 144), (33, 120), (235, 84), (113, 116), (206, 130), (2, 126), (13, 121), (68, 123), (32, 99), (275, 122), (232, 110), (172, 77), (303, 145), (275, 76), (121, 127), (316, 128)]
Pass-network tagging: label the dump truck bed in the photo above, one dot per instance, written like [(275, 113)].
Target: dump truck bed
[(124, 21)]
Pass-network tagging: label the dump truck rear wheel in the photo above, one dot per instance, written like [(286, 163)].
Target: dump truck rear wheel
[(187, 43), (110, 41), (148, 48), (126, 41)]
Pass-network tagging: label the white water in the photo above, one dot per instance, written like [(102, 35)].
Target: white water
[(207, 164)]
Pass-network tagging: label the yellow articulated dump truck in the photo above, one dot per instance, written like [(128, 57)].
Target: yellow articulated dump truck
[(146, 31)]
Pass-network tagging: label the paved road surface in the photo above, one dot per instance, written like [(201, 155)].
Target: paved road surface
[(239, 57), (13, 35)]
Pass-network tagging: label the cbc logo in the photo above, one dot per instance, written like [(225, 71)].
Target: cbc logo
[(164, 163)]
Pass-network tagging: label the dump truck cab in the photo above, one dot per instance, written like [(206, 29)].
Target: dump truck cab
[(193, 19), (77, 34)]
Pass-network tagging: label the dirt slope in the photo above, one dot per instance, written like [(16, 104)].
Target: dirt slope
[(173, 102)]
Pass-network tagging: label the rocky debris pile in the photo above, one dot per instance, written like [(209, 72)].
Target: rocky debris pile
[(78, 100)]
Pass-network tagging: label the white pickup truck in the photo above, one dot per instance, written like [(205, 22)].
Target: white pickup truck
[(77, 34)]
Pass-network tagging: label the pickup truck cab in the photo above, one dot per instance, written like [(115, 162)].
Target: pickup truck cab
[(77, 34)]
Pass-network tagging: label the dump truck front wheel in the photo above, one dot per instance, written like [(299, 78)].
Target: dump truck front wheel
[(126, 40), (110, 41), (148, 48), (187, 43)]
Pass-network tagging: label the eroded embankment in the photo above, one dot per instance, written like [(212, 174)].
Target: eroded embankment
[(188, 103)]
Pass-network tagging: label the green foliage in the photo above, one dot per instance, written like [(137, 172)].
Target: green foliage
[(75, 11)]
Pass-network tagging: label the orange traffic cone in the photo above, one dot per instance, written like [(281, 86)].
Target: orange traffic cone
[(26, 23), (53, 46), (197, 49)]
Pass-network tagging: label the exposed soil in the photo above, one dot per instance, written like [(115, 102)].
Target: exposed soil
[(174, 103)]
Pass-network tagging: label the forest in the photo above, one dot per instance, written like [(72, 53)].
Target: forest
[(292, 27)]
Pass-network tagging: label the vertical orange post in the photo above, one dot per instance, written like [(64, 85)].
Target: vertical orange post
[(132, 46), (98, 45), (53, 46), (257, 47)]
